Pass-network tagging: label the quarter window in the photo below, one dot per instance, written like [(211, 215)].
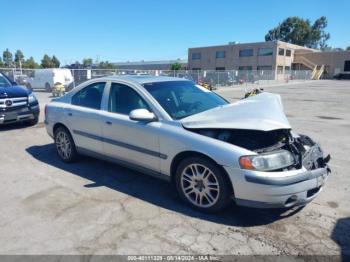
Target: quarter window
[(265, 51), (196, 56), (123, 99), (220, 54), (90, 96), (246, 52)]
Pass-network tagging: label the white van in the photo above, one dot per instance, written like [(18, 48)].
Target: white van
[(46, 78)]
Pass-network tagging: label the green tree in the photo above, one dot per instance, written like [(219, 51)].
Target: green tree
[(19, 57), (1, 63), (55, 62), (87, 62), (348, 48), (106, 65), (46, 62), (7, 58), (30, 63), (300, 31), (176, 66)]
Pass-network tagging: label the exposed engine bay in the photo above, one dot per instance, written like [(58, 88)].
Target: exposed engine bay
[(305, 151)]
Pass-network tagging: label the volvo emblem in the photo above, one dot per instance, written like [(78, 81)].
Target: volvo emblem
[(8, 103)]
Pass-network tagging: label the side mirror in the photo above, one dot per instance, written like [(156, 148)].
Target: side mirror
[(142, 115), (14, 83)]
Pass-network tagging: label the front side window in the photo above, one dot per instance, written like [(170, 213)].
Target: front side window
[(90, 96), (246, 52), (265, 51), (196, 56), (220, 54), (183, 98), (123, 99)]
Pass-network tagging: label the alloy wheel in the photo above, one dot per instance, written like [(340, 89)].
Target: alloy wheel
[(200, 185), (63, 144)]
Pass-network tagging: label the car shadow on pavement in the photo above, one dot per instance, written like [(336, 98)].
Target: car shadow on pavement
[(152, 190), (13, 126), (341, 235)]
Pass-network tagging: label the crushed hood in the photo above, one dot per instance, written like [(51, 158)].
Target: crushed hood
[(261, 112)]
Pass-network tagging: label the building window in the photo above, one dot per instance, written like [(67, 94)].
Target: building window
[(196, 56), (287, 68), (196, 69), (347, 66), (288, 52), (246, 52), (265, 51), (279, 70), (264, 68), (220, 54), (281, 51), (245, 68), (220, 69)]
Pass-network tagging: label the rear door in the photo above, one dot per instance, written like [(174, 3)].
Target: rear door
[(84, 117)]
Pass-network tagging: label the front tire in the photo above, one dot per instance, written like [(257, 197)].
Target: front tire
[(202, 184), (65, 145)]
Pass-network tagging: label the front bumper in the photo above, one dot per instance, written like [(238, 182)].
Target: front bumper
[(19, 114), (277, 189)]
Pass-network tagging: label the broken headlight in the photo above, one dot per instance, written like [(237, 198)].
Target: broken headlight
[(267, 162)]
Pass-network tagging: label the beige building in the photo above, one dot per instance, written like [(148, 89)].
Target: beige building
[(272, 55)]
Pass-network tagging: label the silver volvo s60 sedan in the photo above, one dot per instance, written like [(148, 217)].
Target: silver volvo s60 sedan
[(213, 151)]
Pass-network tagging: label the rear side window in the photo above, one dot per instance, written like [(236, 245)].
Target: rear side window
[(90, 96), (123, 99)]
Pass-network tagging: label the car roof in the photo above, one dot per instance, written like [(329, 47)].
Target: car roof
[(144, 79)]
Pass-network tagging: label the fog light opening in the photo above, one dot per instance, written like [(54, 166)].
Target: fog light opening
[(291, 201)]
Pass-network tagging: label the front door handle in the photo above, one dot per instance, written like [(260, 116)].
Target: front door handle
[(108, 122), (70, 113)]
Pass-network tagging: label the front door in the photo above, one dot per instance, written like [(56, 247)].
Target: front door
[(135, 142)]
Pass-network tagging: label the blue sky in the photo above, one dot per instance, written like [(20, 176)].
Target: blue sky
[(136, 30)]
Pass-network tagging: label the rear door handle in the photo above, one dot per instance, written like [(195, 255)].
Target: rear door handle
[(108, 122)]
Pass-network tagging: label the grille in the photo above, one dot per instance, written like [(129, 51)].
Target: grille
[(9, 103)]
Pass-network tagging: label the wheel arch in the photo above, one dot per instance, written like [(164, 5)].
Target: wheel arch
[(185, 154), (59, 124)]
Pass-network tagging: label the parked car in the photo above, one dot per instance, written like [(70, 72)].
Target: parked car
[(171, 128), (21, 80), (45, 79), (17, 104)]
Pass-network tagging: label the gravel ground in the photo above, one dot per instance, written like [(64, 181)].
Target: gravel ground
[(94, 207)]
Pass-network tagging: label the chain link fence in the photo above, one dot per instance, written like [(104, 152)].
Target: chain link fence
[(46, 78)]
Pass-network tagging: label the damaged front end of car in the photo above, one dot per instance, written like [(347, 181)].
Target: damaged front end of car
[(279, 159)]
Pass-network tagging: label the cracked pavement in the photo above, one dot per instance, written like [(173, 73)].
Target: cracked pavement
[(94, 207)]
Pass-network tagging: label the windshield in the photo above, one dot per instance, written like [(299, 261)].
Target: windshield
[(183, 98), (3, 81)]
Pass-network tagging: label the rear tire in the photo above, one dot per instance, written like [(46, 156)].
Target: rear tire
[(202, 184), (48, 87), (65, 145)]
